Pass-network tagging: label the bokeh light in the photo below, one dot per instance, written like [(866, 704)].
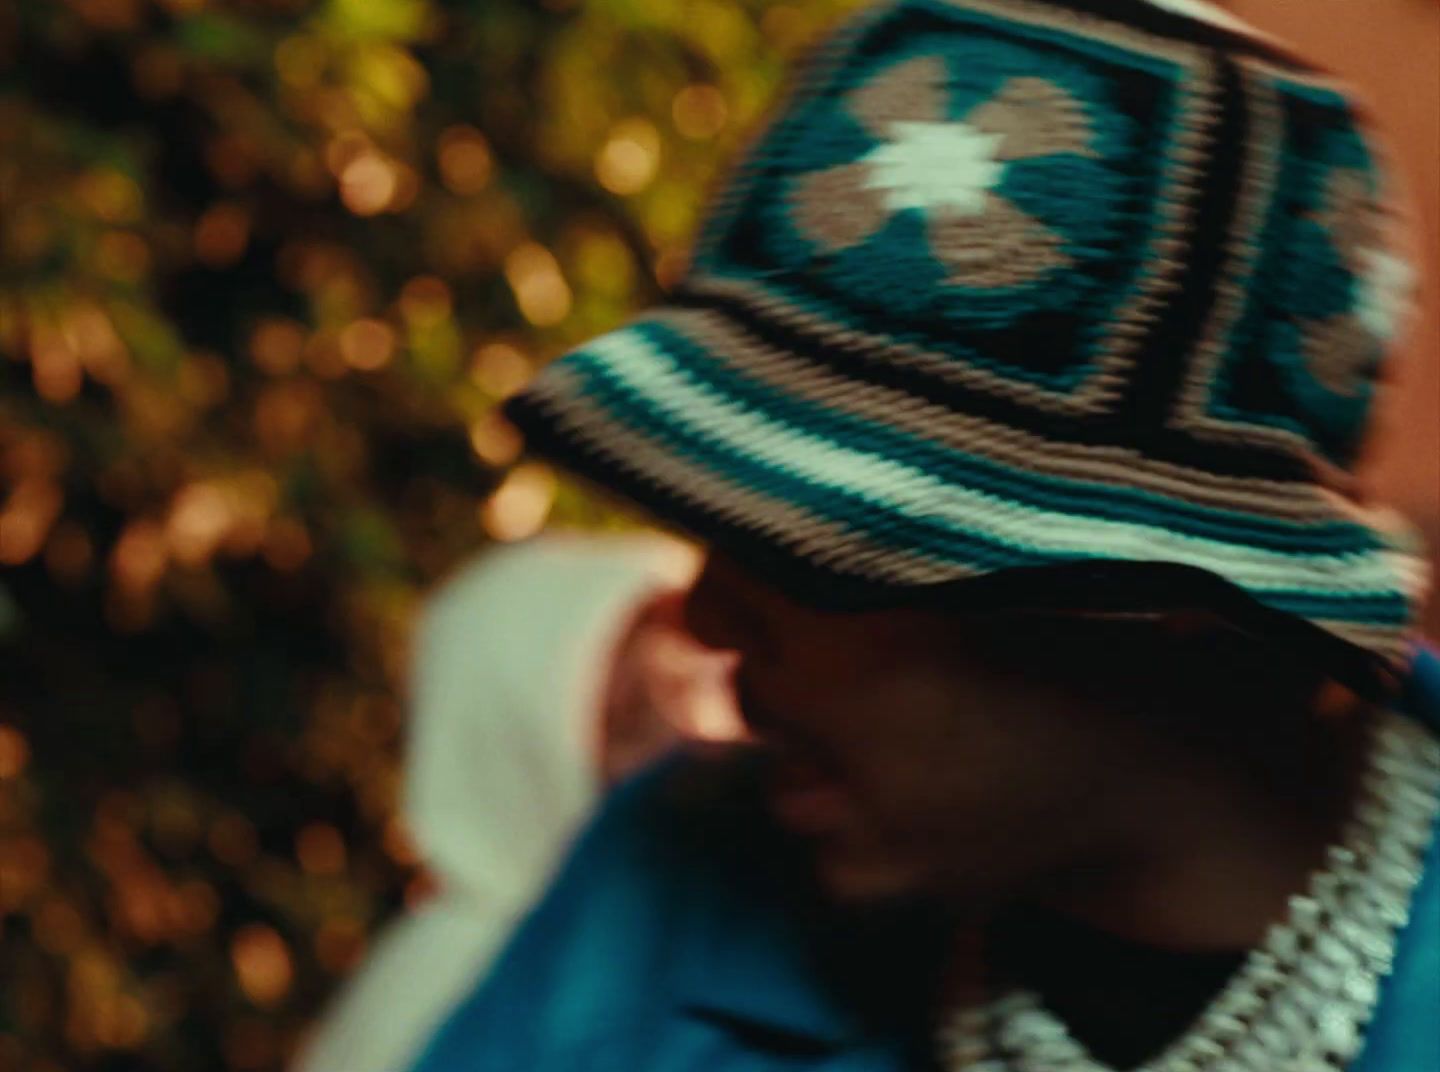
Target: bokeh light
[(500, 369), (540, 289), (369, 183), (221, 234), (320, 849), (262, 963), (496, 441), (367, 344), (630, 157), (700, 111), (465, 161), (14, 752), (519, 507)]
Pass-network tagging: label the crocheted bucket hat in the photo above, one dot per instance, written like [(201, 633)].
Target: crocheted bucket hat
[(1006, 285)]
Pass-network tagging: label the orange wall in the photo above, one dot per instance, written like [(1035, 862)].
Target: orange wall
[(1391, 50)]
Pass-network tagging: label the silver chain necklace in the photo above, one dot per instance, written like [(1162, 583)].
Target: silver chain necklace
[(1303, 997)]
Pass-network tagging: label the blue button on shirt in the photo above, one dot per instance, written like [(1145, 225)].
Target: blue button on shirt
[(680, 936)]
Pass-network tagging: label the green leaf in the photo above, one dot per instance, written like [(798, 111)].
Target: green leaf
[(218, 37), (392, 20)]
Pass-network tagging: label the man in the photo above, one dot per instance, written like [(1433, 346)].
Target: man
[(1015, 386)]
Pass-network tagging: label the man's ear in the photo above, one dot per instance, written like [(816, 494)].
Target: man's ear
[(666, 608)]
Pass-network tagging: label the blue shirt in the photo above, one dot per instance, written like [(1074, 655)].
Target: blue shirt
[(680, 936)]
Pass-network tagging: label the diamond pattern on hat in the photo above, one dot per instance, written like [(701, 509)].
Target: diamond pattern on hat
[(980, 191)]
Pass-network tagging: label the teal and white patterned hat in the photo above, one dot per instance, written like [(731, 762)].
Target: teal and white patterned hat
[(1007, 285)]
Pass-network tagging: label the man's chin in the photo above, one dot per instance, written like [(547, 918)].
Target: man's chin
[(854, 881), (887, 925)]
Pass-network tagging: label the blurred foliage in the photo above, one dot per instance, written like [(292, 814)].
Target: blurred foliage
[(266, 266)]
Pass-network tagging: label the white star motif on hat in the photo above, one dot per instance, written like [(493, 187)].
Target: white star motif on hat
[(1383, 292), (929, 165), (949, 169)]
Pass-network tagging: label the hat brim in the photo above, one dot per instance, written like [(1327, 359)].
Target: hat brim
[(849, 497)]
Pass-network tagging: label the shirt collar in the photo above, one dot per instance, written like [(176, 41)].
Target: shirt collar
[(755, 949), (749, 961), (744, 948), (757, 975)]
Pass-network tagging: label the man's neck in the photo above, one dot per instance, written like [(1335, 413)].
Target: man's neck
[(1210, 851), (1123, 1001), (1207, 862)]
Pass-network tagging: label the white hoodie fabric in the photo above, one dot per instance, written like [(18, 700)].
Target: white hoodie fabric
[(512, 657)]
